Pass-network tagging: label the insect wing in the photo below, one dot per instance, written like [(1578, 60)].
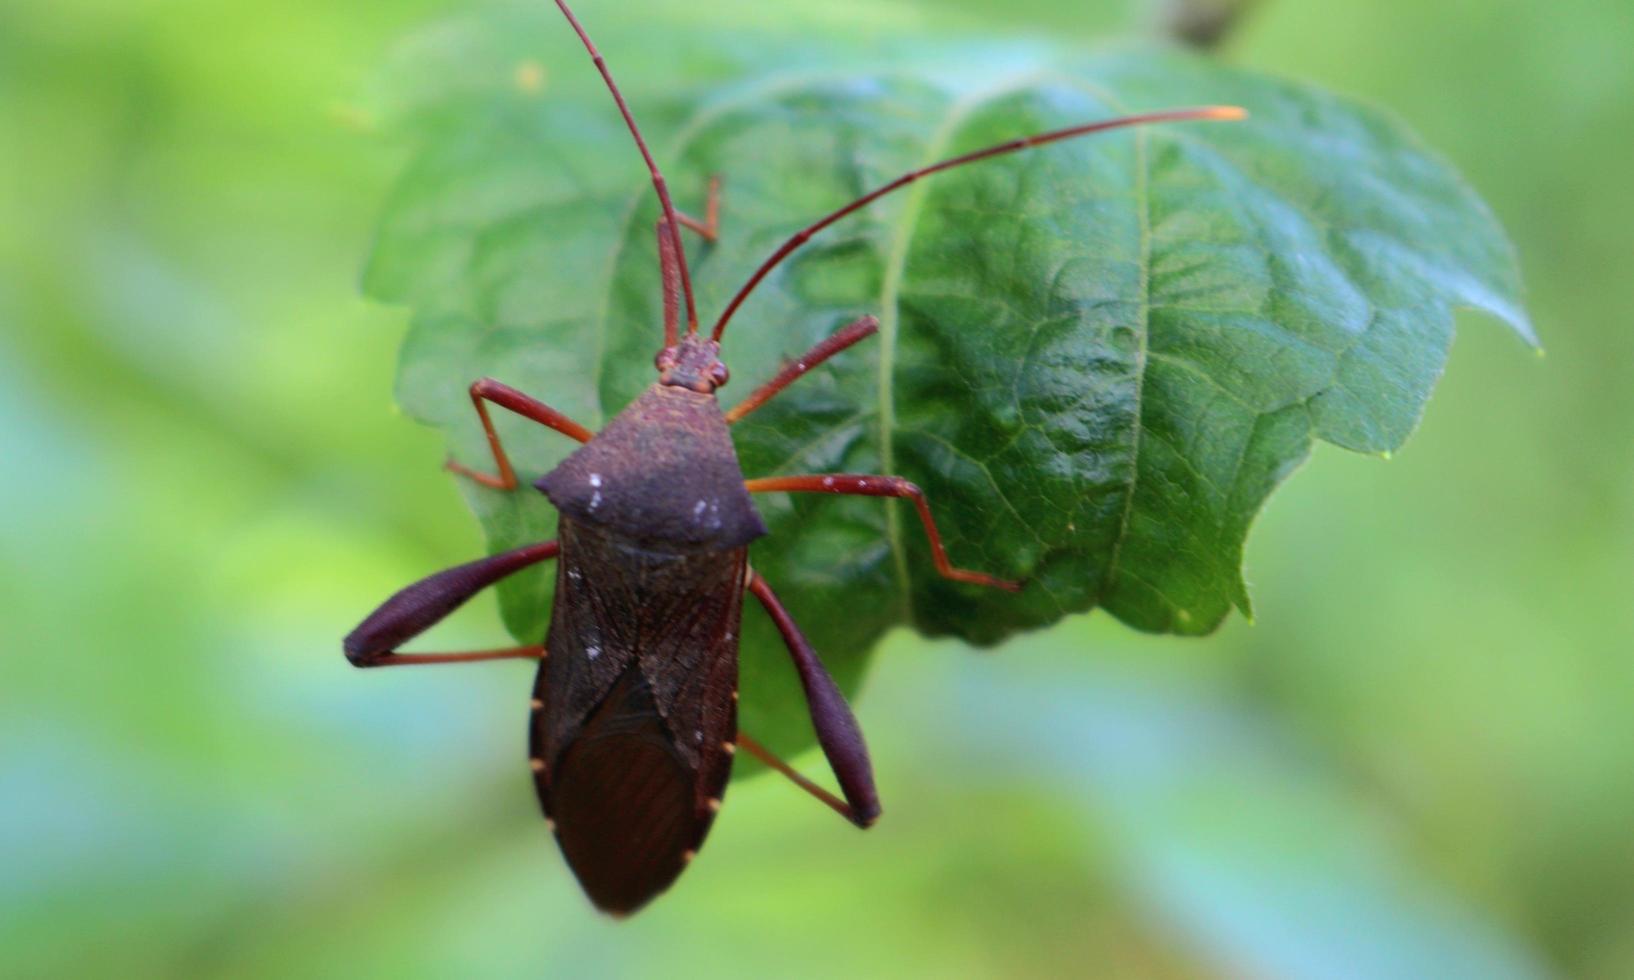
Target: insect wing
[(622, 799), (635, 708)]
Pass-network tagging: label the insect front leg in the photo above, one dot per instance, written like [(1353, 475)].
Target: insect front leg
[(883, 486), (669, 271), (487, 390), (710, 227), (417, 608), (837, 730), (853, 332)]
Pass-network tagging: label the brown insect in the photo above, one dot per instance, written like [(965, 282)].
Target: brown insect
[(634, 712)]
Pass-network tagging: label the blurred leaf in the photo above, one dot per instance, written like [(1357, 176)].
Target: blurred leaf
[(1226, 830), (1098, 358)]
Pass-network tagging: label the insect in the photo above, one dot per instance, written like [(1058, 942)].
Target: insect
[(633, 724)]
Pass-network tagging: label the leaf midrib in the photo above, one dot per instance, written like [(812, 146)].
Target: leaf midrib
[(890, 319), (906, 223), (1142, 355), (959, 111)]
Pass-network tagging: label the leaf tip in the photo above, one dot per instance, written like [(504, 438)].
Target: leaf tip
[(1523, 326), (1506, 309), (1243, 602)]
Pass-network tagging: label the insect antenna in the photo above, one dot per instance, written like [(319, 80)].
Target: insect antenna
[(1039, 139), (670, 221)]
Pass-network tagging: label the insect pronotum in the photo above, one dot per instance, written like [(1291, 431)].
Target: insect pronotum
[(633, 725)]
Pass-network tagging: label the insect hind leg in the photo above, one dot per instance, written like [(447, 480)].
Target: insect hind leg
[(420, 606), (391, 658), (828, 799), (837, 730)]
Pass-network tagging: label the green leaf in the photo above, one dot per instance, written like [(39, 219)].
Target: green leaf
[(1097, 358)]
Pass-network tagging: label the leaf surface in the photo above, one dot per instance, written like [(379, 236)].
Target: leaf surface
[(1097, 358)]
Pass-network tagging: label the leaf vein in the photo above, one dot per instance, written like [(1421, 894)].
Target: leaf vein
[(1143, 331)]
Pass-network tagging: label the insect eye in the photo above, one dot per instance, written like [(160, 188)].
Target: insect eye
[(719, 374)]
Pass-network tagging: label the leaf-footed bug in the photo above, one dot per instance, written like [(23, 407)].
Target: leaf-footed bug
[(634, 711)]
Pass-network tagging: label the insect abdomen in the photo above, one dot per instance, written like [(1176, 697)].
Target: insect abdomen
[(624, 802), (635, 707)]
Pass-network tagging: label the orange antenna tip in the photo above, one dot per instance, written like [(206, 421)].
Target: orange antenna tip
[(1226, 112)]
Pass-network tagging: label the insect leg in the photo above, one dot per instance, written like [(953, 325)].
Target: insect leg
[(486, 390), (710, 227), (883, 486), (534, 651), (837, 730), (418, 607), (669, 270), (766, 756), (847, 335)]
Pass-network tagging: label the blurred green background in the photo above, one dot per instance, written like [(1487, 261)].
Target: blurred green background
[(1420, 761)]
